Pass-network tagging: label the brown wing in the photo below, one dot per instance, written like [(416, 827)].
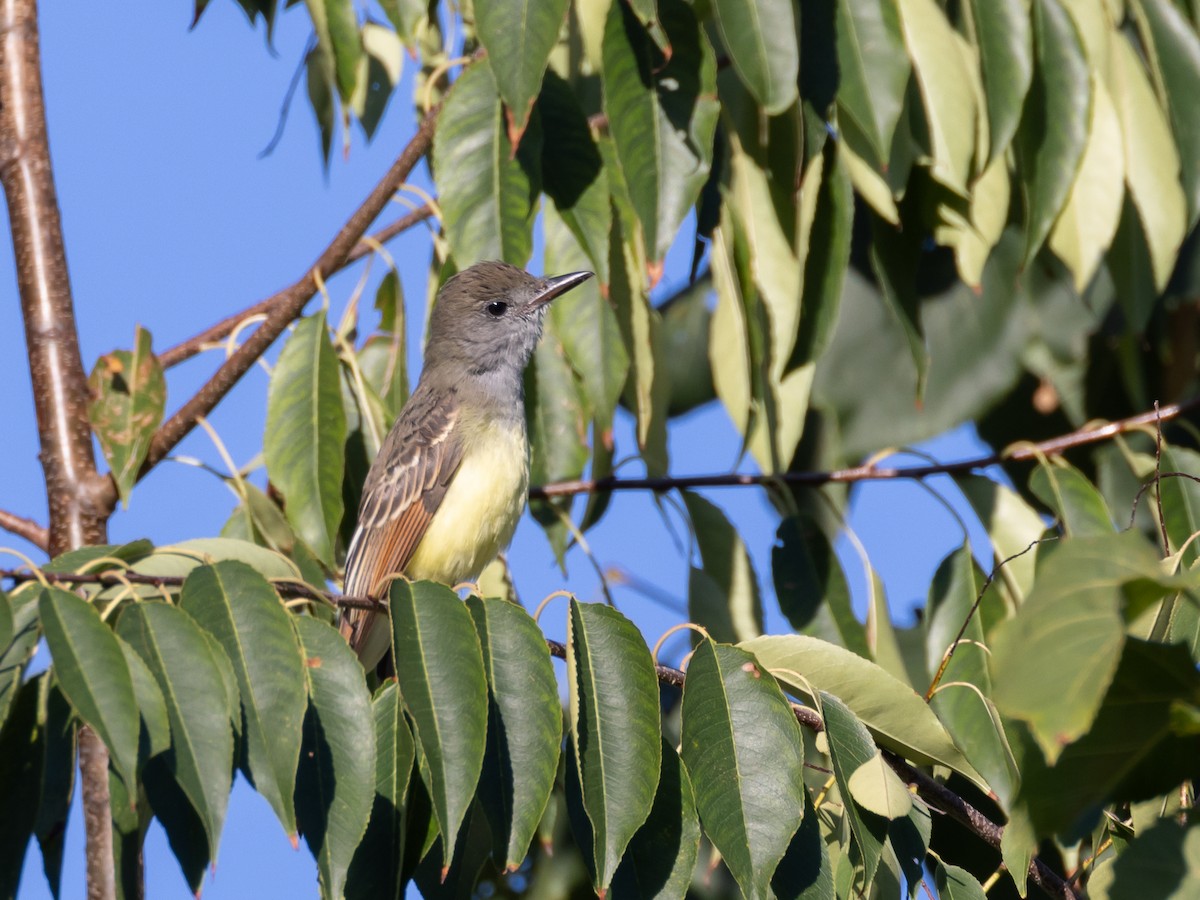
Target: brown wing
[(403, 490)]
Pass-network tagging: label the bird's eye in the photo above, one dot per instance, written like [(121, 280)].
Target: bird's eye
[(496, 308)]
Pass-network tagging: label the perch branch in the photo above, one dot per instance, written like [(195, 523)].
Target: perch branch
[(26, 528), (1018, 453)]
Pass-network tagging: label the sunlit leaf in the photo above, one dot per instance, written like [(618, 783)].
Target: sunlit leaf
[(1003, 35), (1079, 506), (304, 439), (338, 43), (723, 596), (518, 36), (874, 67), (760, 37)]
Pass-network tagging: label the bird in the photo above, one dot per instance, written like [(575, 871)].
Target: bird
[(445, 492)]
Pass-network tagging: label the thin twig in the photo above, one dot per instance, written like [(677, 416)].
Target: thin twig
[(1021, 453), (1162, 519), (26, 528), (289, 305), (185, 350)]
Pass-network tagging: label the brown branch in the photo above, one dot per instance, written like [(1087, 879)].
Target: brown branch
[(26, 528), (185, 350), (59, 385), (941, 797), (288, 305), (1018, 453)]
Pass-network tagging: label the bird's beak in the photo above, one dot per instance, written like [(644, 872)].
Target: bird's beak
[(560, 284)]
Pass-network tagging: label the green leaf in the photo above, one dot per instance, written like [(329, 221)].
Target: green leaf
[(20, 774), (686, 333), (874, 69), (1054, 126), (155, 734), (1074, 630), (955, 883), (338, 43), (335, 784), (376, 870), (806, 870), (585, 322), (661, 858), (1181, 499), (57, 779), (811, 587), (1162, 862), (614, 727), (241, 610), (850, 748), (1075, 500), (1088, 222), (1003, 36), (304, 441), (878, 789), (20, 649), (1012, 524), (744, 752), (380, 65), (760, 36), (1153, 169), (1131, 751), (406, 17), (1174, 52), (662, 114), (574, 177), (201, 757), (895, 715), (518, 36), (941, 67), (92, 671), (487, 190), (440, 668), (128, 395), (6, 620), (723, 596), (524, 726), (969, 716)]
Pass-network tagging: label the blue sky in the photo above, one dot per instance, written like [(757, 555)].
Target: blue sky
[(172, 221)]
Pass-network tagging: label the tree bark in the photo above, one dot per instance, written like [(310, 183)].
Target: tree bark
[(59, 385)]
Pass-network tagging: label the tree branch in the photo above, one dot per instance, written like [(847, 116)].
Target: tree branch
[(1024, 452), (26, 528), (77, 516), (185, 350), (287, 306)]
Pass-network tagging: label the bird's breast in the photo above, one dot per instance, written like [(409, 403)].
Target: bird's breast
[(481, 508)]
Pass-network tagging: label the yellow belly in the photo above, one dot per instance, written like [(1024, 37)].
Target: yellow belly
[(479, 513)]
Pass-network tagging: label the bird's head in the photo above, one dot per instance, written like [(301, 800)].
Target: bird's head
[(489, 317)]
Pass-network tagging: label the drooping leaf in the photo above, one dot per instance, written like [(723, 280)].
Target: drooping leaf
[(956, 883), (1004, 37), (760, 38), (155, 734), (92, 671), (339, 47), (1162, 862), (1153, 170), (1079, 506), (806, 870), (239, 608), (20, 771), (811, 587), (128, 397), (1174, 53), (895, 715), (614, 721), (878, 789), (850, 748), (305, 436), (335, 783), (58, 739), (723, 596), (1053, 131), (662, 114), (662, 855), (440, 668), (377, 868), (524, 726), (874, 69), (518, 36), (19, 649), (744, 753), (487, 192), (941, 69), (200, 760)]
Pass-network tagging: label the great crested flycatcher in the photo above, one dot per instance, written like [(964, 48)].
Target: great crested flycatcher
[(448, 486)]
